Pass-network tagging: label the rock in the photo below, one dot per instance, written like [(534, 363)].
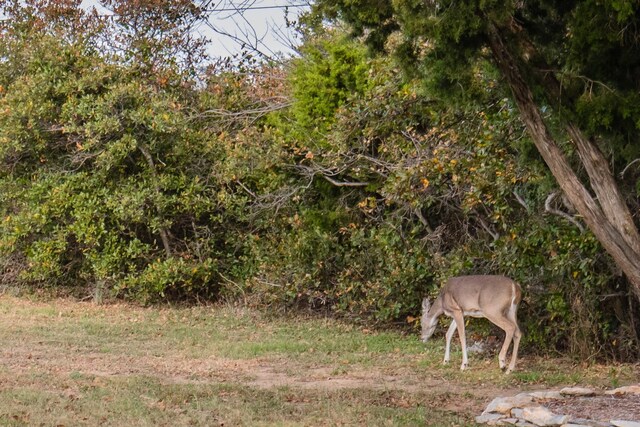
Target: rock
[(508, 422), (504, 405), (630, 389), (542, 417), (577, 391), (586, 423), (522, 409), (490, 418), (542, 395), (477, 347), (623, 423), (517, 413)]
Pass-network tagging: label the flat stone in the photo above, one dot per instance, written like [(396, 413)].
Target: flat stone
[(516, 413), (543, 417), (504, 405), (542, 395), (490, 418), (589, 423), (522, 409), (577, 391), (630, 389), (624, 423), (508, 422)]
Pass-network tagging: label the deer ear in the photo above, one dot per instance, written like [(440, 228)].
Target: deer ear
[(426, 305)]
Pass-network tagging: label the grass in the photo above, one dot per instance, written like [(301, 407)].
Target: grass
[(70, 363)]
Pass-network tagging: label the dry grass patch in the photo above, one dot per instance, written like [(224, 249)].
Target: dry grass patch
[(69, 363)]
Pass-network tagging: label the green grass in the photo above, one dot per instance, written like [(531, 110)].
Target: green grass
[(145, 401), (69, 363)]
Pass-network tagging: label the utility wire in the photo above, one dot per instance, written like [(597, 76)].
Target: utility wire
[(231, 9), (237, 9)]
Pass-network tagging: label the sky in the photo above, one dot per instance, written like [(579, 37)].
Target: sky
[(262, 23)]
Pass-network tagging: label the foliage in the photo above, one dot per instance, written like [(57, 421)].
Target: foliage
[(333, 183), (446, 47), (323, 78), (106, 178), (406, 191)]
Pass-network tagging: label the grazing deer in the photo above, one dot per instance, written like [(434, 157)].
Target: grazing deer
[(493, 297)]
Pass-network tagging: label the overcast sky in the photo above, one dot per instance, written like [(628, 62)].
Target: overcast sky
[(262, 24)]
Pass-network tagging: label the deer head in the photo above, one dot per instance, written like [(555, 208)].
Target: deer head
[(428, 320)]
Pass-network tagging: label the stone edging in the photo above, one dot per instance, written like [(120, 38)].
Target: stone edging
[(525, 410)]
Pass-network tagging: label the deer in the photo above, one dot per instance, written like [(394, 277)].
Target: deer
[(493, 297)]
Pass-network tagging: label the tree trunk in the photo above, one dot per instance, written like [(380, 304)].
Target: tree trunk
[(607, 224), (600, 177), (164, 233)]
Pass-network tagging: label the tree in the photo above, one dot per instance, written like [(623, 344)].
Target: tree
[(579, 60)]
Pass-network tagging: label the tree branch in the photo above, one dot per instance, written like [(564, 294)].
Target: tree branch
[(164, 234), (550, 209), (328, 175)]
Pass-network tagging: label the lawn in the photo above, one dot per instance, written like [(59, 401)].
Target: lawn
[(69, 363)]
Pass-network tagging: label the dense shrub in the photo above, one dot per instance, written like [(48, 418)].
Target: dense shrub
[(405, 191)]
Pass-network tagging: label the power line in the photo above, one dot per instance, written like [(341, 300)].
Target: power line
[(230, 9), (242, 9)]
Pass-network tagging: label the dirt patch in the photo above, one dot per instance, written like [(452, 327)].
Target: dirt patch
[(266, 376), (258, 373), (598, 408)]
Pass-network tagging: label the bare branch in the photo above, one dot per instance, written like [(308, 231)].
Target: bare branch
[(423, 220), (521, 200), (344, 183), (486, 228), (550, 209), (627, 167), (328, 174), (589, 83), (252, 112), (244, 187), (164, 232), (252, 40)]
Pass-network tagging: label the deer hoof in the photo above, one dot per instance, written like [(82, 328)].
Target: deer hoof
[(463, 367)]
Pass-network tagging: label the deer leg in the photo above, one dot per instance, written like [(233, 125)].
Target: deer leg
[(510, 329), (502, 357), (514, 355), (459, 320), (516, 338), (447, 348)]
